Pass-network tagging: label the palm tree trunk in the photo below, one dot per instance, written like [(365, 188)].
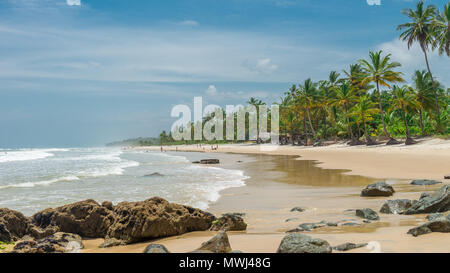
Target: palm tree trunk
[(369, 141), (310, 123), (421, 122), (349, 128), (386, 133), (434, 87), (408, 136), (325, 125)]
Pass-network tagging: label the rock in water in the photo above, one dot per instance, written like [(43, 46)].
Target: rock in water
[(217, 244), (209, 161), (155, 218), (13, 225), (425, 182), (59, 242), (438, 201), (154, 174), (348, 246), (300, 243), (299, 209), (229, 222), (441, 224), (156, 248), (86, 218), (398, 206), (367, 214), (378, 189)]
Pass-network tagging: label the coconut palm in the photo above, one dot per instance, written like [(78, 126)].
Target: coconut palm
[(379, 70), (307, 96), (345, 96), (420, 30), (404, 100), (441, 24), (256, 102), (423, 91), (363, 112)]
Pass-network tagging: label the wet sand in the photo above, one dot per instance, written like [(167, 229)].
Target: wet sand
[(279, 183)]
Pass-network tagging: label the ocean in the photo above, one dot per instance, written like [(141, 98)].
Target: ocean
[(35, 179)]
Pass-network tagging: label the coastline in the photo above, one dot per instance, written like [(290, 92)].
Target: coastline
[(328, 194)]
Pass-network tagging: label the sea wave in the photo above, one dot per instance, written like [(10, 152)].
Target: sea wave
[(41, 183), (25, 155)]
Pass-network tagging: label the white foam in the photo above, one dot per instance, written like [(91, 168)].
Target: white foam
[(41, 183)]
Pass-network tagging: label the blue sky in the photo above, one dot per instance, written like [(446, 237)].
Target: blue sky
[(83, 73)]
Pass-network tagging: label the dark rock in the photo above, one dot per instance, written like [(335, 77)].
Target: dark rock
[(438, 201), (300, 243), (13, 225), (368, 214), (107, 204), (236, 251), (59, 242), (154, 174), (438, 225), (110, 242), (348, 246), (311, 226), (434, 216), (229, 222), (425, 182), (86, 218), (156, 248), (299, 209), (447, 177), (40, 233), (393, 141), (291, 219), (350, 224), (398, 206), (156, 218), (217, 244), (410, 141), (209, 161), (378, 189), (195, 162), (423, 195)]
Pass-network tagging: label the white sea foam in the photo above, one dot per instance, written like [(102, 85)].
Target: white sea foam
[(24, 155)]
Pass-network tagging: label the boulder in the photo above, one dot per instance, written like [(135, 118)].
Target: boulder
[(229, 222), (155, 218), (438, 201), (209, 161), (107, 204), (300, 243), (434, 216), (447, 177), (425, 182), (110, 242), (155, 248), (299, 209), (441, 224), (217, 244), (378, 189), (86, 218), (368, 214), (348, 246), (423, 195), (398, 206), (59, 242), (13, 225)]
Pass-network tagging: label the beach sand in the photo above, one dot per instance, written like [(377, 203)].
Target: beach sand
[(327, 181)]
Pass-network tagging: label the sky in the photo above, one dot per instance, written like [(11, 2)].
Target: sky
[(86, 72)]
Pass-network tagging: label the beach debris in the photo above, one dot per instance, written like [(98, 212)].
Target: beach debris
[(425, 182), (311, 226), (217, 244), (13, 225), (110, 242), (298, 209), (155, 248), (59, 242), (229, 222), (291, 219), (437, 201), (368, 214), (348, 246), (300, 243), (447, 177), (157, 174), (398, 206), (378, 189), (207, 161), (439, 224)]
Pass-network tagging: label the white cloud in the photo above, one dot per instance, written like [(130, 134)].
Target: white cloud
[(211, 91), (73, 2), (190, 23)]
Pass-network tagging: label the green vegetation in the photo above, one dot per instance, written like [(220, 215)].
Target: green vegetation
[(4, 244)]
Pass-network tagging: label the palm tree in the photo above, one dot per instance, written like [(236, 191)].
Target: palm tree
[(363, 111), (345, 95), (403, 99), (256, 102), (326, 91), (420, 30), (306, 96), (379, 70), (423, 94), (441, 24)]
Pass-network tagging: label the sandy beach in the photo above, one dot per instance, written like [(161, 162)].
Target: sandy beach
[(327, 181)]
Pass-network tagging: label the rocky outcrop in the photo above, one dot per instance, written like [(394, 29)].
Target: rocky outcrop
[(378, 189), (438, 201), (217, 244), (155, 218), (440, 224), (348, 246), (229, 222), (155, 248), (398, 206), (425, 182), (85, 218), (300, 243), (13, 225), (207, 161), (110, 242), (368, 214), (59, 242)]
